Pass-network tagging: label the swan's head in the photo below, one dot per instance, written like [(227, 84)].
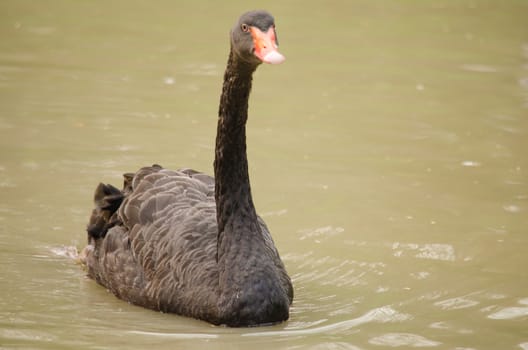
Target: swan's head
[(254, 40)]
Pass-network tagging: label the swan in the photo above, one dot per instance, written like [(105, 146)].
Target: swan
[(183, 242)]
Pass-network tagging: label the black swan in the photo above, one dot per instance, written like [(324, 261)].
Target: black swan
[(187, 243)]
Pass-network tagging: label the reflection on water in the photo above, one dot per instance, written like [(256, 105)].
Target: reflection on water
[(387, 156)]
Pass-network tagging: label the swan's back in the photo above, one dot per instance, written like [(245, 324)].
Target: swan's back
[(159, 250), (154, 243)]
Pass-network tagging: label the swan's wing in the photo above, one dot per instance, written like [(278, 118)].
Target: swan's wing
[(155, 242), (161, 250)]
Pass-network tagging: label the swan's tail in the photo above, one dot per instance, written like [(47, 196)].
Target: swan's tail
[(107, 200)]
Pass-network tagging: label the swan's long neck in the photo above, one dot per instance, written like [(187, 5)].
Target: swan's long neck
[(250, 289), (232, 188)]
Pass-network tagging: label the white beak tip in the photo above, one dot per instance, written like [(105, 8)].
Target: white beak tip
[(273, 57)]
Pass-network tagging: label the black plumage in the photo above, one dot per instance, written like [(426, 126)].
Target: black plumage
[(185, 242)]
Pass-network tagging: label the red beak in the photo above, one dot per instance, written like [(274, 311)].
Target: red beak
[(266, 46)]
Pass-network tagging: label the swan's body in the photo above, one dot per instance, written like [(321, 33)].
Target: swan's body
[(187, 243)]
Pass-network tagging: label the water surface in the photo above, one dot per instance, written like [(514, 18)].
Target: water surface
[(387, 155)]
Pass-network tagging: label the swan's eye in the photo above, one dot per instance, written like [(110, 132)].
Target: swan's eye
[(244, 27)]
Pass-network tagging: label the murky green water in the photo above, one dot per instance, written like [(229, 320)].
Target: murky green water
[(388, 156)]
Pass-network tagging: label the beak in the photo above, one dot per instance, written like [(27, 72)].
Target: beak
[(266, 46)]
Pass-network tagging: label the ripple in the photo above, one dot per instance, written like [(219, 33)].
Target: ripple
[(7, 183), (512, 208), (321, 233), (27, 335), (279, 212), (123, 148), (509, 313), (43, 30), (433, 251), (329, 270), (5, 124), (523, 82), (176, 335), (379, 315), (169, 80), (69, 252), (403, 339), (446, 326), (203, 69), (332, 346), (456, 303), (293, 325), (480, 68), (470, 163)]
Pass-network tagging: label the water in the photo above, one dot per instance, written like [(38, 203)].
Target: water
[(387, 155)]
